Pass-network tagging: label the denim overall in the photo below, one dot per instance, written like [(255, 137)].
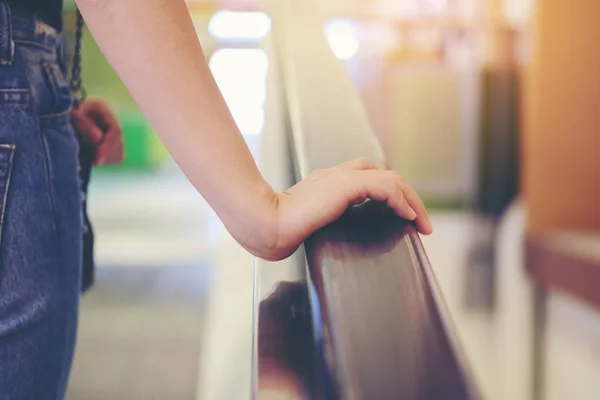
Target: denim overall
[(40, 213)]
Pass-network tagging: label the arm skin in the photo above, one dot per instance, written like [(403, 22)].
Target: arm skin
[(153, 47)]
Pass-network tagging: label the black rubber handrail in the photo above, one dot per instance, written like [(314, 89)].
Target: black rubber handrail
[(378, 315)]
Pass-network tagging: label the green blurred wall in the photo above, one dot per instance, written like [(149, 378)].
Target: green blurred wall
[(143, 149)]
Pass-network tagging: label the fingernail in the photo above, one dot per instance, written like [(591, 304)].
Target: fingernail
[(429, 225), (411, 214)]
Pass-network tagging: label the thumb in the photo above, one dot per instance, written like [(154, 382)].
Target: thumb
[(86, 128)]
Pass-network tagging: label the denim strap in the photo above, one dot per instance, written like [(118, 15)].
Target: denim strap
[(7, 46)]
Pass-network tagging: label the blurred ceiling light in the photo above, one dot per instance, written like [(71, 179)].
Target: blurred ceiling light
[(244, 25), (240, 62), (241, 77), (342, 35)]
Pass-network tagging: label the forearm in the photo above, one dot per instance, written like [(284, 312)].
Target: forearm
[(153, 47)]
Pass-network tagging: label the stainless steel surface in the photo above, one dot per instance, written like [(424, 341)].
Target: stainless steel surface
[(282, 357), (284, 340)]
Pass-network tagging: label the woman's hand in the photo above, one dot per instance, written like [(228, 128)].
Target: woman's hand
[(324, 196), (98, 126)]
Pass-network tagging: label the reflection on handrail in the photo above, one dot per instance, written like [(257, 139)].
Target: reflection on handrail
[(285, 342), (378, 324)]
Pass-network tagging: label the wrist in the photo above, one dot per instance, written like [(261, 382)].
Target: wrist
[(253, 220)]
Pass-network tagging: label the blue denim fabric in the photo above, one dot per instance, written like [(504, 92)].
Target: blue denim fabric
[(40, 213)]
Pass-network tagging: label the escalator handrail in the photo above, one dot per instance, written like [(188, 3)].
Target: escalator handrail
[(385, 332)]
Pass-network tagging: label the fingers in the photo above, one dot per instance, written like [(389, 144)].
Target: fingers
[(422, 220), (117, 155), (358, 164), (363, 180), (110, 150), (380, 186), (99, 111), (98, 125), (389, 187), (326, 194), (87, 129)]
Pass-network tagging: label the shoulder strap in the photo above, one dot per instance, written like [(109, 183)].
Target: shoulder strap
[(75, 83)]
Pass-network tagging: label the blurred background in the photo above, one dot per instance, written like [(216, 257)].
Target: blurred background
[(489, 108)]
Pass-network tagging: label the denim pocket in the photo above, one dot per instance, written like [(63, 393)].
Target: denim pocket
[(60, 96), (7, 152)]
